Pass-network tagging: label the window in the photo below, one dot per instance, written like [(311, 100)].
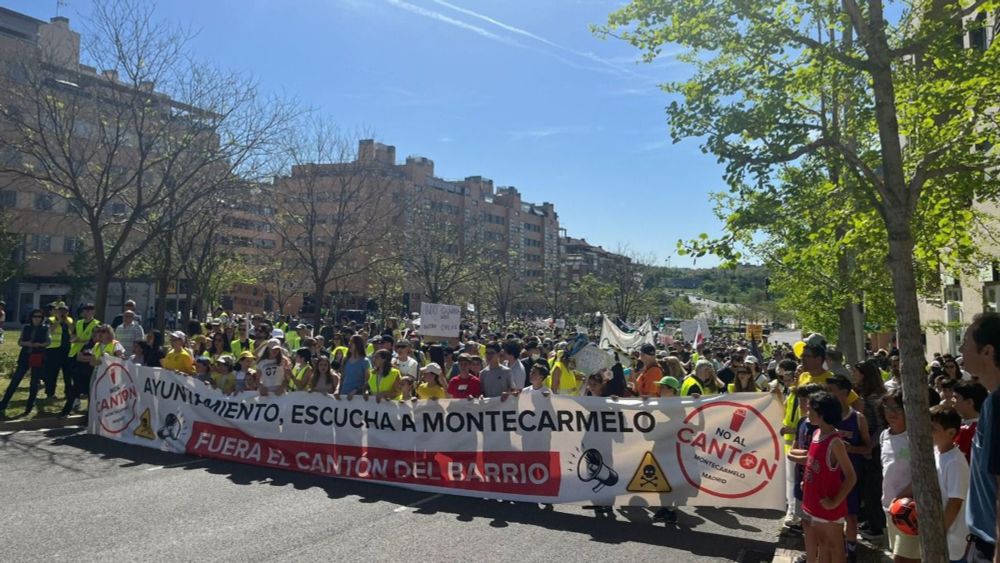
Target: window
[(41, 243), (71, 245), (532, 228), (530, 242), (8, 198), (977, 35), (44, 202)]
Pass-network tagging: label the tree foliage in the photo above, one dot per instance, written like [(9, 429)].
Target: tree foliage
[(897, 114)]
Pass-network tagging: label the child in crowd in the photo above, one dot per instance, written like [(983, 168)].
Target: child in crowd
[(301, 372), (969, 397), (431, 385), (272, 370), (828, 479), (896, 474), (202, 369), (669, 386), (324, 378), (466, 384), (539, 372), (245, 379), (223, 378), (803, 432), (407, 390), (853, 429), (945, 387), (953, 477)]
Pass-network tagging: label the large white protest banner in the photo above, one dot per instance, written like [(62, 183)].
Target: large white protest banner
[(614, 337), (718, 451), (440, 320)]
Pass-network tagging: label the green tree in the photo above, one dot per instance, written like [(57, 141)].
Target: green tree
[(79, 273), (770, 87), (12, 249), (590, 295)]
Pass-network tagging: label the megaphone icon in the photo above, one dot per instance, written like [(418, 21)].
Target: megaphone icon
[(591, 468)]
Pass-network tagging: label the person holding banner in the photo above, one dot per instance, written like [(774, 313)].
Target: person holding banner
[(272, 370), (302, 370), (702, 382), (432, 385), (324, 379), (383, 382), (357, 368), (178, 359), (647, 383)]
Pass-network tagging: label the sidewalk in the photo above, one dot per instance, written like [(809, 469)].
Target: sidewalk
[(41, 422)]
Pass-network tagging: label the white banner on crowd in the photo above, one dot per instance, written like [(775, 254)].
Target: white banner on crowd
[(440, 320), (721, 451), (690, 329), (785, 337), (614, 337), (592, 359)]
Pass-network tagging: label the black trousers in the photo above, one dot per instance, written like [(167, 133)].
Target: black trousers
[(78, 385), (871, 492), (55, 361), (15, 382)]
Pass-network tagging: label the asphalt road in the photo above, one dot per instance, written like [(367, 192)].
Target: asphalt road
[(67, 495)]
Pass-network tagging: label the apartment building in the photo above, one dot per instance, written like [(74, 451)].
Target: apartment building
[(522, 234), (580, 259)]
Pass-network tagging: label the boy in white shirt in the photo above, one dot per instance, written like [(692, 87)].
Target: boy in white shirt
[(537, 377), (953, 477)]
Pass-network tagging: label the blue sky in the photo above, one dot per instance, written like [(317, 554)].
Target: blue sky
[(519, 91)]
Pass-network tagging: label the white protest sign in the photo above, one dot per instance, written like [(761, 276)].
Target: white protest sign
[(592, 359), (690, 329), (560, 323), (440, 320)]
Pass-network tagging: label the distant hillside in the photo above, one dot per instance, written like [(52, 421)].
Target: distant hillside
[(743, 284)]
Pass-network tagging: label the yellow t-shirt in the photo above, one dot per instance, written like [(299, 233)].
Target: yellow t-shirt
[(567, 379), (427, 391), (178, 361), (225, 382), (806, 378)]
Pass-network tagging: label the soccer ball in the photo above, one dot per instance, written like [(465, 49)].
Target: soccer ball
[(904, 515)]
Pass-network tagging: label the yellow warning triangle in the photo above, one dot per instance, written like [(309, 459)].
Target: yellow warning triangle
[(145, 429), (649, 477)]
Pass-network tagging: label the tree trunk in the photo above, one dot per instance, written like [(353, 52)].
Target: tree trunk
[(915, 394), (320, 298), (102, 279)]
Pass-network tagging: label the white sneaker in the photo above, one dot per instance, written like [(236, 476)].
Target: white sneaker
[(792, 521)]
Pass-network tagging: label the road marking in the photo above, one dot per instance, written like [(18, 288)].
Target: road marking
[(187, 463), (418, 503)]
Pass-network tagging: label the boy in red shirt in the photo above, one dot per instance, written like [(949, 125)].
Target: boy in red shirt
[(969, 397), (464, 385)]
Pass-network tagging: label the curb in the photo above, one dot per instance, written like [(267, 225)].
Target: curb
[(40, 423)]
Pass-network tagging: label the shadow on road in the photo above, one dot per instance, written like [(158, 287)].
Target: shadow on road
[(633, 524)]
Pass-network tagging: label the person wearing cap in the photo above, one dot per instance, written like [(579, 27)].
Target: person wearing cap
[(57, 352), (178, 359), (669, 386), (646, 383), (244, 378), (432, 384)]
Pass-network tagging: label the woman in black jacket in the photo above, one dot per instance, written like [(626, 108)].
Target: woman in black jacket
[(34, 339)]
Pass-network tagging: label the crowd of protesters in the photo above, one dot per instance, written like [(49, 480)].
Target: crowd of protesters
[(844, 426)]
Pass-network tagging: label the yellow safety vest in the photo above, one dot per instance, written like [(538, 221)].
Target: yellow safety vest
[(297, 372), (56, 332), (101, 350), (84, 331)]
